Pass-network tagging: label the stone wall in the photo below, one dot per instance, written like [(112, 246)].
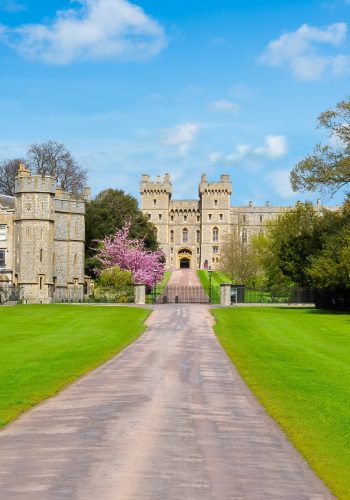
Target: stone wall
[(45, 240)]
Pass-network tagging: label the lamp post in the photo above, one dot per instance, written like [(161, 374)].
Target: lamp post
[(155, 286), (210, 295)]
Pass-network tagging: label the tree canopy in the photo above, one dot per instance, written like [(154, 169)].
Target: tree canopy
[(308, 247), (328, 169), (48, 158), (109, 211)]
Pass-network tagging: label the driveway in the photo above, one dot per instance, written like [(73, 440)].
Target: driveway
[(167, 419)]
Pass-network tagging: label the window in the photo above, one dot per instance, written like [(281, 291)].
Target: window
[(198, 218), (3, 232), (149, 216), (244, 219), (197, 251), (185, 235), (2, 258), (215, 249), (172, 218), (221, 216), (171, 236), (41, 255), (154, 203), (215, 234), (209, 216), (198, 236), (171, 250), (261, 219), (216, 203), (185, 218), (244, 236), (41, 282), (160, 216)]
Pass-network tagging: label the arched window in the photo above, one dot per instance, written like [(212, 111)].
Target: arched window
[(215, 234), (171, 236), (41, 255), (198, 236), (244, 236), (185, 235)]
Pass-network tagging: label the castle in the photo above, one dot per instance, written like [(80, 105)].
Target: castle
[(42, 238), (191, 232)]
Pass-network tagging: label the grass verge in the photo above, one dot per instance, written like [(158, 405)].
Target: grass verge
[(43, 348), (296, 361), (217, 277)]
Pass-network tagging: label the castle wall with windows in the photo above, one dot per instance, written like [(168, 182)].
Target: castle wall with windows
[(191, 232), (42, 231)]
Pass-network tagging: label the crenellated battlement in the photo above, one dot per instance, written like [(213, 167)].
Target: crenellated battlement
[(157, 187)]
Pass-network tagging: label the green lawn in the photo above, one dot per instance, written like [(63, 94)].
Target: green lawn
[(43, 348), (297, 362), (217, 277)]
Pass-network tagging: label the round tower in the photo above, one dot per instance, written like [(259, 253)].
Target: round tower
[(34, 235)]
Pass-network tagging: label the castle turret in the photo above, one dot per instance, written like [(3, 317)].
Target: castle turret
[(215, 204), (34, 235), (155, 199)]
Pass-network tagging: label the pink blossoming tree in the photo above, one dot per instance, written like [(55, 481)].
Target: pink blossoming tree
[(146, 267)]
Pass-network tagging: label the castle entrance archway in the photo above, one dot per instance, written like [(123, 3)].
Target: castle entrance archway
[(184, 258)]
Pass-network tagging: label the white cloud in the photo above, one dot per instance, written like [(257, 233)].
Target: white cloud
[(225, 106), (275, 146), (12, 6), (297, 51), (181, 136), (280, 183), (341, 64), (97, 30)]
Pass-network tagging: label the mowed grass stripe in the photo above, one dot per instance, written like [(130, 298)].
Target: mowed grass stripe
[(297, 363), (45, 347)]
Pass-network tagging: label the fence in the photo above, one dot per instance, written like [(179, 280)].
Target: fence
[(278, 295)]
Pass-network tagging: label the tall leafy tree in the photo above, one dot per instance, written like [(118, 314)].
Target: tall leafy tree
[(328, 168), (109, 211), (293, 238)]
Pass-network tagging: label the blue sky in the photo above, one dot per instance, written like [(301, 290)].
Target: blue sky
[(185, 87)]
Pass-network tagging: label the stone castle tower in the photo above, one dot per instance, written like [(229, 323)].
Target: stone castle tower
[(46, 226), (191, 232)]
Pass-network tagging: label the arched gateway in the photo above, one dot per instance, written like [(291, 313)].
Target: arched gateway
[(184, 256)]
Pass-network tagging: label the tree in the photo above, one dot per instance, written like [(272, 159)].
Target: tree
[(328, 169), (294, 238), (52, 158), (330, 267), (48, 158), (238, 258), (120, 250), (8, 172), (111, 210)]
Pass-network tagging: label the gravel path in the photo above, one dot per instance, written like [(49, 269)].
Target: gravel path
[(167, 419)]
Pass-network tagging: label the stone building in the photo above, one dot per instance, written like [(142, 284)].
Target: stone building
[(42, 239), (191, 232)]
